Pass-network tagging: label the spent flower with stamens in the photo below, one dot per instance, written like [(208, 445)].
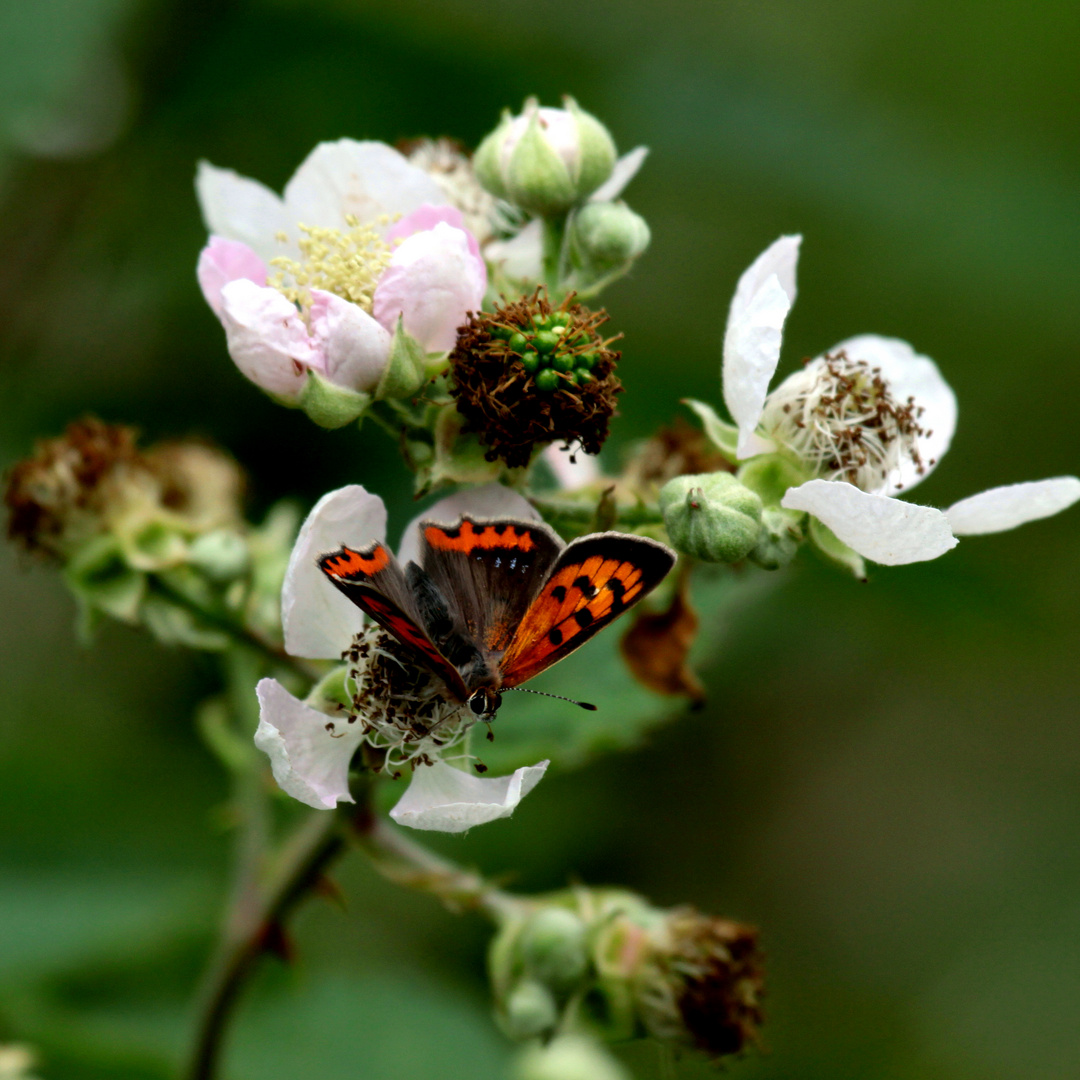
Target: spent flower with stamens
[(840, 438), (530, 374)]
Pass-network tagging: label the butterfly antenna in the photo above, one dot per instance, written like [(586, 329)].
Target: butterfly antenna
[(559, 697)]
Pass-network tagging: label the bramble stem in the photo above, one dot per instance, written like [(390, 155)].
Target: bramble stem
[(583, 513)]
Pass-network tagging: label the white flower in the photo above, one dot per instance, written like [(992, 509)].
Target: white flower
[(317, 279), (310, 751), (864, 421)]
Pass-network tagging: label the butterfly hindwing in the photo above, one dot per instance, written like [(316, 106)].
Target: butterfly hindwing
[(493, 570), (374, 581), (593, 582)]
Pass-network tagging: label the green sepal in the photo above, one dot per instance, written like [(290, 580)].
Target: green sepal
[(458, 456), (329, 405), (102, 579), (596, 150), (406, 369), (537, 179), (771, 475), (835, 550), (331, 691), (174, 625), (724, 436)]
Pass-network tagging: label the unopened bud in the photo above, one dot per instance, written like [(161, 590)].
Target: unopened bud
[(529, 1010), (569, 1057), (545, 160), (779, 540), (609, 235), (711, 517), (553, 947)]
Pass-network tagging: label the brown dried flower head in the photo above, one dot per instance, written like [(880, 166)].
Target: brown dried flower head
[(78, 485), (529, 374), (703, 983)]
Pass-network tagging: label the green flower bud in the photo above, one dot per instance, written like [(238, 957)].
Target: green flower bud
[(711, 517), (553, 948), (609, 235), (529, 1010), (781, 535), (221, 555), (569, 1057), (545, 160)]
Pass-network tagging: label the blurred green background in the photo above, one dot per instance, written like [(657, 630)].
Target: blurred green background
[(887, 779)]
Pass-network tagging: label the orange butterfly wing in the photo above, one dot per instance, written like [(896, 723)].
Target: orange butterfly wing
[(595, 580)]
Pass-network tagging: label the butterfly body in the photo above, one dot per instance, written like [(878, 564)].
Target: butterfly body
[(492, 603)]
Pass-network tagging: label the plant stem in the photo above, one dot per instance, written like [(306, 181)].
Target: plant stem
[(253, 925), (584, 513)]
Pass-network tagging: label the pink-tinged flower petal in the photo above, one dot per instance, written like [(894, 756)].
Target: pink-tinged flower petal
[(364, 179), (354, 347), (521, 257), (309, 751), (1007, 507), (222, 261), (441, 798), (485, 503), (879, 528), (319, 621), (910, 375), (626, 168), (266, 337), (432, 281), (573, 468), (754, 333), (238, 208)]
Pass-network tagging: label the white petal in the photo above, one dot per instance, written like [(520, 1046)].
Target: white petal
[(318, 620), (521, 257), (432, 282), (485, 502), (266, 337), (1006, 507), (573, 468), (444, 799), (354, 346), (754, 333), (910, 375), (239, 208), (626, 168), (879, 528), (366, 179), (222, 261), (309, 751)]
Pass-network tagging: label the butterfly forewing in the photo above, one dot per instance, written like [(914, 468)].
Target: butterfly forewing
[(593, 582), (373, 580)]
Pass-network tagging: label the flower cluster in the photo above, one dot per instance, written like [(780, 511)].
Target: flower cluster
[(839, 439)]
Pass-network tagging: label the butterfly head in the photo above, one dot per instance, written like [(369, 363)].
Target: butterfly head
[(485, 703)]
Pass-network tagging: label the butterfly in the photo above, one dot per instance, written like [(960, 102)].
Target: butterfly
[(494, 602)]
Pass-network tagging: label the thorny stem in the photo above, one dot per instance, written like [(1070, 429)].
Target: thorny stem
[(258, 910)]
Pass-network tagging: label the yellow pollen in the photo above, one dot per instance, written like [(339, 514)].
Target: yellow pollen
[(348, 264)]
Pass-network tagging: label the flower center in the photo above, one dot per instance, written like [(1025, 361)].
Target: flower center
[(401, 707), (839, 417), (348, 264)]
